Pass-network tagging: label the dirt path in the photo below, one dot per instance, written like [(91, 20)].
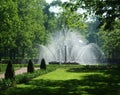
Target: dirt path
[(19, 71)]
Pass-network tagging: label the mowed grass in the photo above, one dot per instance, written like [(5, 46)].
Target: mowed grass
[(72, 80), (63, 74)]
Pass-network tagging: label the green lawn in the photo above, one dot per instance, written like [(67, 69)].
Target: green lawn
[(62, 74), (72, 80)]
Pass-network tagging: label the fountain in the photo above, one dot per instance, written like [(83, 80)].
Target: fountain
[(68, 47)]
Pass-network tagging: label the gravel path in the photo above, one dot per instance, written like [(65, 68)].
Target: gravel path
[(19, 71)]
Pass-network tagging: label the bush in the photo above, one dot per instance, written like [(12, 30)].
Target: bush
[(4, 84), (24, 78), (9, 74), (43, 64), (30, 67)]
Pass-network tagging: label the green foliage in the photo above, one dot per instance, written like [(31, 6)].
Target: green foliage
[(2, 67), (72, 19), (43, 64), (24, 78), (30, 67), (22, 23), (110, 41), (9, 74), (4, 84), (51, 20), (106, 10)]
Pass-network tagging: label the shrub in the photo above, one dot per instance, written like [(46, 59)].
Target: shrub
[(4, 84), (9, 73), (24, 78), (43, 64), (30, 67)]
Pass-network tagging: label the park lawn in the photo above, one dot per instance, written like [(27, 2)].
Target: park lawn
[(70, 81), (62, 74)]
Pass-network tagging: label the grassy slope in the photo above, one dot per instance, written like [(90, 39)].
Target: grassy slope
[(71, 81)]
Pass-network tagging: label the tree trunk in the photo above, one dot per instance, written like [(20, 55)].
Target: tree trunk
[(14, 54), (10, 54), (23, 53)]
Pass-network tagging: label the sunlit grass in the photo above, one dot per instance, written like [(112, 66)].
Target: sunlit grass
[(63, 74)]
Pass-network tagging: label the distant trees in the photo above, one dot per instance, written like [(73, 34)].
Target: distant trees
[(51, 19), (24, 24), (107, 10), (71, 18), (21, 28), (110, 42)]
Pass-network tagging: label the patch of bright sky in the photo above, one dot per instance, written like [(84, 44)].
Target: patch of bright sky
[(58, 9), (55, 9), (49, 1)]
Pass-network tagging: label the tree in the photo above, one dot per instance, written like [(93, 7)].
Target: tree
[(30, 67), (51, 19), (9, 73), (21, 28), (43, 64), (32, 30), (9, 24), (107, 10), (108, 14), (109, 41), (72, 19)]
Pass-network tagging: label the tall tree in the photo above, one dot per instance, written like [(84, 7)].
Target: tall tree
[(9, 24), (107, 10), (32, 29), (51, 19), (110, 41), (21, 27)]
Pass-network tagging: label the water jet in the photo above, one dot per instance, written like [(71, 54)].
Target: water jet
[(69, 47)]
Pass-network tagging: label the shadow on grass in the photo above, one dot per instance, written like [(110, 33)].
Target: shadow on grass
[(94, 84), (93, 68)]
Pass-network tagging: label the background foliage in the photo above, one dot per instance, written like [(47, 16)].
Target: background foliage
[(25, 24)]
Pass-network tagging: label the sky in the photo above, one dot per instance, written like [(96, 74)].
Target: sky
[(49, 1), (58, 9)]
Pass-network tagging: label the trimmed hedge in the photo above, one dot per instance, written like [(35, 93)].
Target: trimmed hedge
[(43, 64), (24, 78), (9, 73), (30, 67)]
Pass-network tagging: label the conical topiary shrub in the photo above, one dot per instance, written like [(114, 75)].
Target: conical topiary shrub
[(9, 74), (30, 67), (43, 64)]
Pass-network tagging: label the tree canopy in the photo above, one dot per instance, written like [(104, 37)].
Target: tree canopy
[(25, 24)]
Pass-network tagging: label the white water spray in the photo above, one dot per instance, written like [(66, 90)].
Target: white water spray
[(68, 47)]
